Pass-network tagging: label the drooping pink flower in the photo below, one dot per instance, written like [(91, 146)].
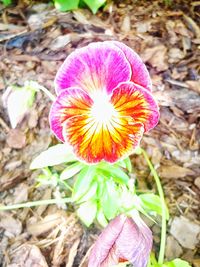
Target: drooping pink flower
[(104, 102), (124, 239)]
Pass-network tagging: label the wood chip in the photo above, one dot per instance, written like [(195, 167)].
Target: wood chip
[(28, 256), (16, 139), (174, 172), (49, 222), (72, 253)]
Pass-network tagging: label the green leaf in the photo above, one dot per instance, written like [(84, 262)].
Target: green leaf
[(151, 202), (110, 200), (7, 2), (65, 5), (101, 218), (121, 164), (94, 5), (71, 170), (87, 212), (113, 171), (101, 185), (53, 156), (89, 195), (128, 163), (83, 181), (128, 199), (177, 263)]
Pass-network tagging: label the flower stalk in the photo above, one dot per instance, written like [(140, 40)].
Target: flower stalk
[(163, 205), (36, 203)]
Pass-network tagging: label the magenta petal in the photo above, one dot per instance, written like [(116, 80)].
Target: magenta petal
[(99, 66), (140, 74), (101, 253), (135, 242), (69, 103)]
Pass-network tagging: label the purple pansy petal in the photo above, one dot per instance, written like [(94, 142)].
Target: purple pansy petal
[(100, 252), (124, 239), (70, 103), (97, 67), (135, 242), (140, 74)]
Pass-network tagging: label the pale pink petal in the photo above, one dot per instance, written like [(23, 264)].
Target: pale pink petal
[(140, 74), (100, 252), (135, 242), (124, 239), (97, 67)]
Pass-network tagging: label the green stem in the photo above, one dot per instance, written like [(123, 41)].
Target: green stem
[(47, 92), (163, 206), (36, 203), (65, 184)]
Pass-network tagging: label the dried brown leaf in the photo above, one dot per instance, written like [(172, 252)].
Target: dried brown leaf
[(156, 56)]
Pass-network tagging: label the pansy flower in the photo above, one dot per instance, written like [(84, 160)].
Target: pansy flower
[(123, 240), (104, 102)]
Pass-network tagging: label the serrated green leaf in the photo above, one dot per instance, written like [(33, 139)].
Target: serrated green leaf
[(94, 5), (87, 212), (71, 170), (113, 171), (110, 200), (151, 202), (176, 263), (135, 202), (54, 155), (83, 181), (89, 195), (65, 5)]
